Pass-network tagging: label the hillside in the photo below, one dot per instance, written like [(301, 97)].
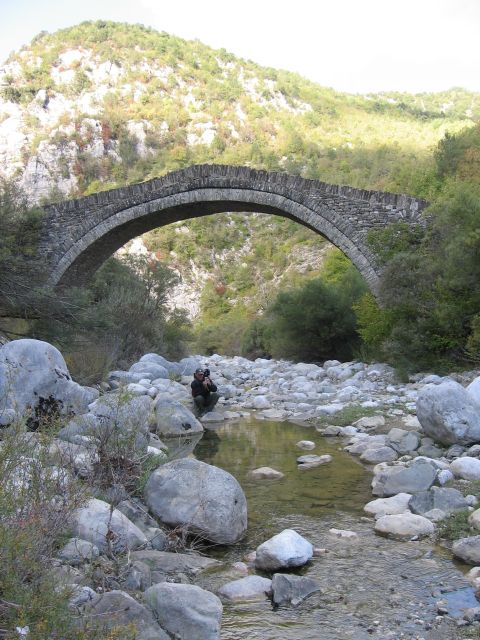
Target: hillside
[(104, 104)]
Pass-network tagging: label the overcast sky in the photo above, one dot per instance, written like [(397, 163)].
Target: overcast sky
[(351, 45)]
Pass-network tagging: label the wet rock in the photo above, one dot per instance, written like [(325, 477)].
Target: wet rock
[(305, 444), (404, 526), (186, 611), (398, 479), (116, 608), (286, 549), (291, 589), (388, 506), (106, 528), (449, 413), (265, 473), (345, 534), (200, 497), (212, 416), (310, 461), (246, 589)]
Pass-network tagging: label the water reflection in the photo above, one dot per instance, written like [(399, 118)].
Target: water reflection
[(341, 485), (370, 585)]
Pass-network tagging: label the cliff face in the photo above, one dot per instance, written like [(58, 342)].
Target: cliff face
[(104, 104)]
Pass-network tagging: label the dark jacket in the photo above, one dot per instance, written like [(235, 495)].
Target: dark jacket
[(199, 390)]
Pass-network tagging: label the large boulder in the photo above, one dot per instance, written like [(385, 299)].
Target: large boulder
[(286, 549), (106, 528), (185, 611), (35, 378), (116, 609), (173, 419), (399, 479), (204, 499), (149, 370), (449, 413), (447, 500), (121, 422)]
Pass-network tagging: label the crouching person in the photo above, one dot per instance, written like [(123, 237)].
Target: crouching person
[(204, 392)]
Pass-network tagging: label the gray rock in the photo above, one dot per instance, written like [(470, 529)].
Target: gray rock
[(286, 549), (165, 564), (398, 479), (116, 609), (447, 500), (188, 365), (474, 519), (246, 589), (404, 526), (403, 441), (138, 576), (173, 419), (78, 551), (203, 499), (449, 413), (96, 519), (305, 444), (33, 374), (388, 506), (265, 473), (122, 423), (467, 549), (291, 589), (378, 453), (149, 370), (430, 451), (310, 461), (186, 611), (137, 513), (466, 468)]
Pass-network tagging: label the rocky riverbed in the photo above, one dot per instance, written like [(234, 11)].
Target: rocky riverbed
[(419, 441)]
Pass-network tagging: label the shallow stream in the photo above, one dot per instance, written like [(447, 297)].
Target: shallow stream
[(371, 586)]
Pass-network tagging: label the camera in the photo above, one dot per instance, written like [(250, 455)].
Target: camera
[(206, 373)]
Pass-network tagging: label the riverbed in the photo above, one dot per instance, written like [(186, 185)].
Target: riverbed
[(370, 586)]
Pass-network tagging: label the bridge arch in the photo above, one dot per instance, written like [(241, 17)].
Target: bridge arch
[(79, 235)]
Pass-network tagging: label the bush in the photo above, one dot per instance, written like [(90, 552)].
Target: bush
[(316, 322), (37, 498)]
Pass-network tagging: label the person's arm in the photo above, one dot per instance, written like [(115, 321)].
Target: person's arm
[(197, 388), (211, 385)]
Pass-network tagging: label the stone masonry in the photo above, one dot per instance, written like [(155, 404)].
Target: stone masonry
[(79, 235)]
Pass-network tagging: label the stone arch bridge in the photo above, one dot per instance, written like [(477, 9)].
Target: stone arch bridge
[(79, 235)]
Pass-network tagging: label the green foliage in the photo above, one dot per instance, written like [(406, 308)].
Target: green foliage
[(430, 290), (36, 502), (121, 315), (455, 526), (316, 321)]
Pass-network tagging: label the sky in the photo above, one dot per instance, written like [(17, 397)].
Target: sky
[(357, 46)]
